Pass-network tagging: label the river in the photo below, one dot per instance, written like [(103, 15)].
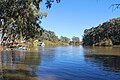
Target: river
[(61, 63)]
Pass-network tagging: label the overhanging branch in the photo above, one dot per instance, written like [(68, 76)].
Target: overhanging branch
[(115, 6)]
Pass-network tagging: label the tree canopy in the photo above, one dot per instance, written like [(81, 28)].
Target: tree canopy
[(19, 18), (106, 34), (64, 39)]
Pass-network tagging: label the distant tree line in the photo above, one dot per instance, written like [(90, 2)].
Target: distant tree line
[(75, 41), (51, 36)]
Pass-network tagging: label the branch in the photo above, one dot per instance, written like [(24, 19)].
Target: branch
[(115, 6)]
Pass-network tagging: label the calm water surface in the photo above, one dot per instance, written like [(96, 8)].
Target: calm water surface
[(61, 63)]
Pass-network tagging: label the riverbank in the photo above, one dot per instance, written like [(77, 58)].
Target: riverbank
[(1, 48), (49, 43), (30, 44)]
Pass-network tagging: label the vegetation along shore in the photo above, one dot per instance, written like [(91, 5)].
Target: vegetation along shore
[(105, 34)]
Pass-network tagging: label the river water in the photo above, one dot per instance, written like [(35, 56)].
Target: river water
[(61, 63)]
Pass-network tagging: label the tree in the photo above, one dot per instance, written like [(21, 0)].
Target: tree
[(115, 6), (64, 39), (106, 34), (50, 36), (75, 41), (19, 18)]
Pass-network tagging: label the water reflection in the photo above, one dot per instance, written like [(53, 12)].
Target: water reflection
[(102, 50), (61, 63), (106, 58), (48, 55), (18, 65)]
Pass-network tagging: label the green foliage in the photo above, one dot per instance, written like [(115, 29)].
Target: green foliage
[(35, 43), (50, 43), (64, 39), (18, 18), (49, 3), (30, 40), (75, 41), (46, 42), (105, 34), (50, 36), (104, 43)]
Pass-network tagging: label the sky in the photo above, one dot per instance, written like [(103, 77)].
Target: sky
[(71, 17)]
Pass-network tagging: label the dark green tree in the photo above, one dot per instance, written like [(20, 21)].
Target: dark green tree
[(19, 18), (106, 34)]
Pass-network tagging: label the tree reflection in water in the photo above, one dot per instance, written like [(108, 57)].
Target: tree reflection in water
[(107, 58), (16, 65)]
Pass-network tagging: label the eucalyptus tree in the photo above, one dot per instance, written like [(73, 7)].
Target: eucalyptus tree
[(19, 18), (50, 36), (75, 40), (64, 39)]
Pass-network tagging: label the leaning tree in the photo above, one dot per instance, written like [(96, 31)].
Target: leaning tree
[(19, 18)]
